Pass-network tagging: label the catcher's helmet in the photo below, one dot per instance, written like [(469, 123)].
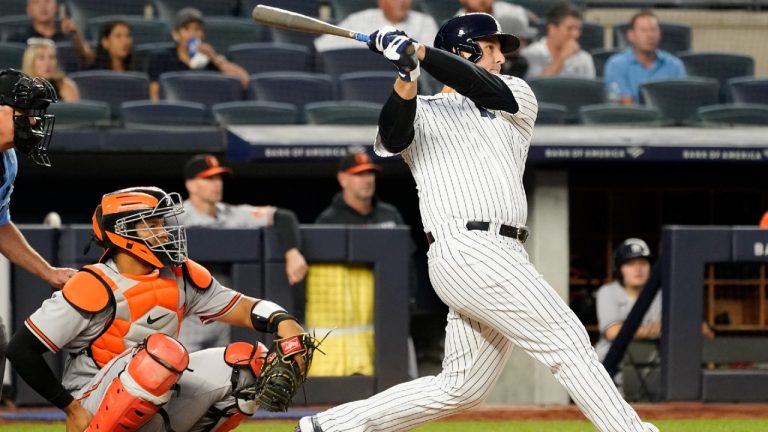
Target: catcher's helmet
[(459, 33), (630, 248), (29, 97), (115, 219)]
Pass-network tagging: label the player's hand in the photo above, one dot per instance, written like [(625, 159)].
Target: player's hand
[(379, 40), (295, 266), (58, 276), (402, 53), (78, 418), (289, 328)]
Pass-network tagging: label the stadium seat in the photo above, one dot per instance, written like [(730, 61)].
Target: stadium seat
[(573, 93), (675, 38), (749, 90), (678, 100), (11, 54), (720, 66), (14, 7), (206, 87), (164, 113), (292, 87), (112, 87), (441, 10), (600, 58), (166, 9), (255, 112), (304, 7), (342, 112), (66, 57), (12, 24), (271, 57), (70, 115), (541, 7), (221, 32), (612, 114), (83, 10), (592, 36), (342, 8), (142, 30), (142, 52), (735, 114), (340, 61), (284, 36), (375, 87), (551, 114)]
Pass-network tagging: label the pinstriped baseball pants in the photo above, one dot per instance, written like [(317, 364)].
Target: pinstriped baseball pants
[(497, 300)]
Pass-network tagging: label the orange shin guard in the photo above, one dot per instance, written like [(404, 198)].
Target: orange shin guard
[(231, 423)]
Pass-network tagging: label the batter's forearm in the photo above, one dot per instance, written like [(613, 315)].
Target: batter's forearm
[(14, 246), (396, 123)]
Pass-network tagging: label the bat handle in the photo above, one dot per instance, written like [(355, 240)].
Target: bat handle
[(362, 37)]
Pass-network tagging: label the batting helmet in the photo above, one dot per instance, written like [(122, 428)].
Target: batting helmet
[(29, 97), (630, 248), (459, 33), (115, 219)]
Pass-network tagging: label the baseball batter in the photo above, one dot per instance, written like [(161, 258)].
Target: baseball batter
[(466, 148), (116, 321)]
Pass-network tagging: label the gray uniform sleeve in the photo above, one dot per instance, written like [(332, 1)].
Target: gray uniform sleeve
[(212, 303), (56, 322), (609, 310)]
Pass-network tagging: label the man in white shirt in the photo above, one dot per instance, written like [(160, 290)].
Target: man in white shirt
[(397, 13)]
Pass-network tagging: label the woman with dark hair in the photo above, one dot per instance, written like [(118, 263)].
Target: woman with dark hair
[(115, 50)]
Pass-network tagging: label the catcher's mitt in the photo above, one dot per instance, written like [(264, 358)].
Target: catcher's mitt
[(282, 375)]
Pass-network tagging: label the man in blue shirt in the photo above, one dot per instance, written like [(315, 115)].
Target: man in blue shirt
[(24, 126), (642, 62)]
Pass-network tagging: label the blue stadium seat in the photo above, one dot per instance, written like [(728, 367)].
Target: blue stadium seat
[(14, 7), (573, 93), (441, 10), (66, 57), (340, 61), (375, 87), (255, 112), (342, 112), (164, 113), (205, 87), (600, 58), (749, 90), (675, 38), (221, 32), (271, 57), (613, 114), (720, 66), (592, 36), (11, 54), (735, 114), (284, 36), (551, 114), (12, 24), (342, 8), (304, 7), (142, 30), (83, 10), (166, 9), (71, 115), (679, 100), (541, 7), (292, 87), (142, 52), (112, 87)]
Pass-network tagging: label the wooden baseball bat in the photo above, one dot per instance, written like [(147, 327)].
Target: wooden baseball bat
[(288, 20)]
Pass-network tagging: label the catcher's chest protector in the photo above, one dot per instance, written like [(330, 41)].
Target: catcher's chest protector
[(143, 305)]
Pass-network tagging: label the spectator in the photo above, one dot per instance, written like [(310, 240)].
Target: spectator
[(40, 61), (559, 53), (640, 63), (45, 25), (115, 50), (188, 27), (397, 13), (204, 207), (356, 204)]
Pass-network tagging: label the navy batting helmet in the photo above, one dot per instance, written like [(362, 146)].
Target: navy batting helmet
[(630, 248), (458, 35)]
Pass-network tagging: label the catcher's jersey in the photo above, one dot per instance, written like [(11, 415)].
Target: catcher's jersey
[(61, 327), (468, 162)]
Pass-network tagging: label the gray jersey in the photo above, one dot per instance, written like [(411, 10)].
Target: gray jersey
[(228, 216), (613, 306), (468, 162)]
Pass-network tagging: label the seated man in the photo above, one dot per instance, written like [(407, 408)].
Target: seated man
[(642, 62), (190, 53), (116, 320), (559, 53), (396, 13)]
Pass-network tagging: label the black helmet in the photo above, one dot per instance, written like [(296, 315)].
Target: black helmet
[(459, 33), (29, 97), (630, 248)]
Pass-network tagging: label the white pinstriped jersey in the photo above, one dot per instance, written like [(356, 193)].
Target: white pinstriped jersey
[(468, 162)]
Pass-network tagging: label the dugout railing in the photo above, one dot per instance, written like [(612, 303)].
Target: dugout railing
[(257, 268)]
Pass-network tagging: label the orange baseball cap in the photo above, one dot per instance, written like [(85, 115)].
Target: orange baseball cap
[(203, 166), (357, 162)]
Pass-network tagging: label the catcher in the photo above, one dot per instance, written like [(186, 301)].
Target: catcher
[(116, 320)]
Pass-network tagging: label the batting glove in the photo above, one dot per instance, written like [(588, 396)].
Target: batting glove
[(407, 64), (381, 38)]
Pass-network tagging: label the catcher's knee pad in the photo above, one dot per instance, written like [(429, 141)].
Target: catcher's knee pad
[(137, 394), (246, 361)]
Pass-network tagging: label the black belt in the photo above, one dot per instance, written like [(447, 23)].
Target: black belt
[(520, 234)]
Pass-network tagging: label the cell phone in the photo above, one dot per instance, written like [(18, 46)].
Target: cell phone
[(62, 11)]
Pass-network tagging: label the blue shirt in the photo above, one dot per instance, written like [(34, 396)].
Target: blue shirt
[(8, 171), (624, 70)]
